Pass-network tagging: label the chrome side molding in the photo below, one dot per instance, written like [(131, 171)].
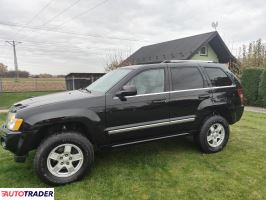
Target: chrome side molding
[(178, 91), (152, 125)]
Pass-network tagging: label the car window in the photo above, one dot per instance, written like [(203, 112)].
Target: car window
[(149, 81), (107, 81), (184, 78), (218, 77)]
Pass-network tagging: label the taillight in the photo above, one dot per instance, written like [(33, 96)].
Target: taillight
[(241, 95)]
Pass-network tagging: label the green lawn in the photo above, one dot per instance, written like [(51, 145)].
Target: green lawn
[(169, 169), (7, 99)]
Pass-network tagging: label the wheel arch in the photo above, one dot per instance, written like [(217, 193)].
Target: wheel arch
[(62, 125), (221, 109)]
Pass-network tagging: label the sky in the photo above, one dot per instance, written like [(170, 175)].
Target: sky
[(63, 36)]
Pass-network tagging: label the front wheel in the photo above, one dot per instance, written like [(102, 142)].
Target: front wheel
[(63, 158), (214, 134)]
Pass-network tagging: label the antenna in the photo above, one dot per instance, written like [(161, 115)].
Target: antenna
[(215, 25)]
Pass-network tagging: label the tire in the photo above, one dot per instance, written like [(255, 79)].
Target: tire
[(214, 134), (63, 158)]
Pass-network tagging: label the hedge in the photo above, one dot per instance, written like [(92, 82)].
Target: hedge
[(250, 80), (262, 89)]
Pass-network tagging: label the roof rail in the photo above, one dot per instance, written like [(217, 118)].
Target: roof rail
[(182, 61)]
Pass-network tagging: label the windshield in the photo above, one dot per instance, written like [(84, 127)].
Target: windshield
[(107, 81)]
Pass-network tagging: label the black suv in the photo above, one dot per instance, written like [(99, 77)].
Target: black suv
[(129, 105)]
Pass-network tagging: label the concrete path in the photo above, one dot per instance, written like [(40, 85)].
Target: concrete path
[(255, 109)]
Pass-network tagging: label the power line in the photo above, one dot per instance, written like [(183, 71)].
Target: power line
[(62, 46), (83, 13), (64, 10), (44, 50), (36, 15), (73, 34), (60, 13)]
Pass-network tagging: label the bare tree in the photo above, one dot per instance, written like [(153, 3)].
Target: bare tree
[(253, 55), (3, 69), (116, 59)]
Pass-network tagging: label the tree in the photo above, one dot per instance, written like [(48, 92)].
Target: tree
[(12, 74), (116, 59), (45, 76), (254, 55), (3, 69), (235, 66)]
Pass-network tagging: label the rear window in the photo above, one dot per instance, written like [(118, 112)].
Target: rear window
[(218, 77), (184, 78)]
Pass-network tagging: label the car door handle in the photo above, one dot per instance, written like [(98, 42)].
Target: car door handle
[(204, 96), (159, 101)]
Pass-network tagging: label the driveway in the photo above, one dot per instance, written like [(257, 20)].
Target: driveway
[(255, 109)]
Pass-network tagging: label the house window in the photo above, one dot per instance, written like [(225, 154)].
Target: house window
[(203, 51)]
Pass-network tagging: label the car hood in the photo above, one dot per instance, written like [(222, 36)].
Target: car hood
[(54, 98)]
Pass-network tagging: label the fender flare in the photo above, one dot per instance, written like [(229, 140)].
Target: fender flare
[(88, 118)]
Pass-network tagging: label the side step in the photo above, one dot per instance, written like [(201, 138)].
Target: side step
[(148, 140)]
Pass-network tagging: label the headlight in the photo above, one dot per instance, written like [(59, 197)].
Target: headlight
[(13, 123)]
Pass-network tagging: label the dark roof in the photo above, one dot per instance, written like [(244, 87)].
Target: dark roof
[(84, 74), (181, 49)]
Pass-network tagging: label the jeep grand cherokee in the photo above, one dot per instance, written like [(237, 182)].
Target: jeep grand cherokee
[(130, 105)]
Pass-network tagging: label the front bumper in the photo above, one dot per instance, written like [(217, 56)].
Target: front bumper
[(9, 139), (19, 143)]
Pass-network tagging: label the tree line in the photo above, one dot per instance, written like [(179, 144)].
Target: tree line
[(253, 55), (5, 73)]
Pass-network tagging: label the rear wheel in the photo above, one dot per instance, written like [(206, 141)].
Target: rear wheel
[(214, 134), (63, 158)]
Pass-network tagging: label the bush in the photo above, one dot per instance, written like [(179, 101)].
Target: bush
[(262, 89), (12, 74), (250, 80)]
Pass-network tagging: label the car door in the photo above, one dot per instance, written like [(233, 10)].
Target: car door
[(189, 91), (143, 115)]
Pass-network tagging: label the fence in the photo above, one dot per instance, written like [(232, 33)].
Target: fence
[(31, 84), (1, 87)]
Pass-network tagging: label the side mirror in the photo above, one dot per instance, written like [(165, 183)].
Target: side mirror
[(127, 90)]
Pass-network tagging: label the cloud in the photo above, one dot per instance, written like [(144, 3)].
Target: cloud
[(142, 21)]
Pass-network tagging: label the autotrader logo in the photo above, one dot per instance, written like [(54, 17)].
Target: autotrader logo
[(26, 193)]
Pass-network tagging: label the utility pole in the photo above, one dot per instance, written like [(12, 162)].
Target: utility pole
[(14, 43)]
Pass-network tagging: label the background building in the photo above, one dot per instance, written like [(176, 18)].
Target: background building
[(206, 46)]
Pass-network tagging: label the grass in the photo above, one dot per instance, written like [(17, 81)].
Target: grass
[(169, 169), (7, 99)]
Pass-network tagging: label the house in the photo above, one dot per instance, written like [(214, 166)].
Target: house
[(76, 81), (206, 46)]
